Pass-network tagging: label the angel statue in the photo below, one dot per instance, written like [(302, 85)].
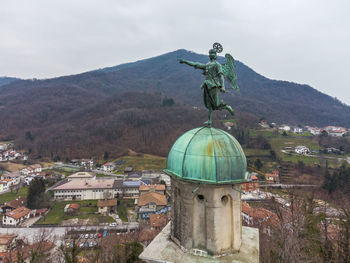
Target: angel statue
[(214, 82)]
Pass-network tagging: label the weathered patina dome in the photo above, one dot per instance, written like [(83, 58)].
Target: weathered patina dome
[(207, 155)]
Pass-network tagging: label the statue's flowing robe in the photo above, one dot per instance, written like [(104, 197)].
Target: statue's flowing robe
[(213, 82)]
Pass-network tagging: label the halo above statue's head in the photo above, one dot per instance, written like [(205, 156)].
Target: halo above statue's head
[(218, 47)]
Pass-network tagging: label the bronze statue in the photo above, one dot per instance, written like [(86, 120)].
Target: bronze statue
[(214, 82)]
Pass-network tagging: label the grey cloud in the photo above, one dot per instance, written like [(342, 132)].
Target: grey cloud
[(300, 41)]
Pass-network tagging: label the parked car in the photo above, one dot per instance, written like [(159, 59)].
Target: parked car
[(91, 235), (81, 245), (86, 235), (104, 233), (113, 224), (95, 236), (91, 244), (99, 235)]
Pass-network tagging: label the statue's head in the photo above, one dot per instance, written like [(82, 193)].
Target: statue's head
[(212, 53)]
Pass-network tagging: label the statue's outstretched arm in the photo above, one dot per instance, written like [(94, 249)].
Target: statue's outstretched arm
[(192, 64), (222, 82), (221, 78)]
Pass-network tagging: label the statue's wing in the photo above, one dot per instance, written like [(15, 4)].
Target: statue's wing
[(229, 70)]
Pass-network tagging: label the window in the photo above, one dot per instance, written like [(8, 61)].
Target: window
[(224, 200)]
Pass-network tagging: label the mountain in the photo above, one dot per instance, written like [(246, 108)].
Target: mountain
[(122, 107), (6, 80), (278, 101)]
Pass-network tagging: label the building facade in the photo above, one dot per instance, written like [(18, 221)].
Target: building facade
[(16, 217), (85, 189)]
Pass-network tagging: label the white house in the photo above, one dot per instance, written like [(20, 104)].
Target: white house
[(108, 167), (297, 130), (285, 128), (16, 217), (37, 168), (87, 163), (6, 184), (336, 133), (314, 130), (32, 169), (14, 176), (28, 179), (302, 149), (3, 147)]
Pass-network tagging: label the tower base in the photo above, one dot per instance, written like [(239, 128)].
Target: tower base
[(163, 250)]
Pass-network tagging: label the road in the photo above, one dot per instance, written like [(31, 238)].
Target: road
[(289, 185), (347, 159), (98, 171), (56, 234)]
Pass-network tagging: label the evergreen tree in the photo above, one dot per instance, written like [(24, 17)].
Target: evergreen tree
[(167, 102), (28, 136), (36, 193), (258, 164), (273, 155), (327, 182)]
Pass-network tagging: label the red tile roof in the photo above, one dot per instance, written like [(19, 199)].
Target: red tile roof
[(157, 187), (20, 201), (108, 203), (18, 212), (152, 197), (259, 213), (158, 220), (6, 239), (74, 206)]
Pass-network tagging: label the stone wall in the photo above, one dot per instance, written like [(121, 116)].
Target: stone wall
[(206, 217)]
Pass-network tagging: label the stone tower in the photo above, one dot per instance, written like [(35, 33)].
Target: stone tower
[(205, 164)]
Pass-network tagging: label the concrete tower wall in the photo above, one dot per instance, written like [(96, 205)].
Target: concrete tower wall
[(206, 218)]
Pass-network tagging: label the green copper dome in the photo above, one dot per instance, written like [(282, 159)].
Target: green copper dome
[(207, 155)]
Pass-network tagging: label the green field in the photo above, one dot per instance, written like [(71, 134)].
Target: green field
[(70, 169), (103, 175), (142, 162), (10, 196), (279, 142), (276, 134), (296, 158), (87, 210), (66, 170)]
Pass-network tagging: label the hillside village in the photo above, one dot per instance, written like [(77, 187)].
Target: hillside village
[(97, 199)]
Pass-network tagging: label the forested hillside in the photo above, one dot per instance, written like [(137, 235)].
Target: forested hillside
[(131, 106), (6, 80)]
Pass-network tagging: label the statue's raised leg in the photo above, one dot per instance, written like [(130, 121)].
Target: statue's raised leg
[(230, 110), (224, 106)]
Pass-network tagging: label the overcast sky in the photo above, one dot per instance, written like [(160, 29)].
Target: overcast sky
[(304, 41)]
